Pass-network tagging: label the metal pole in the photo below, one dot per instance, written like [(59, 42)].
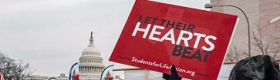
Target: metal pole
[(248, 25)]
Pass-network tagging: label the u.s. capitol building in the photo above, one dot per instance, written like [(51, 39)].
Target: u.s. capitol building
[(90, 63)]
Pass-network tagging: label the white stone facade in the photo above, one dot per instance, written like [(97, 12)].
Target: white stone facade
[(36, 77), (90, 63), (262, 15)]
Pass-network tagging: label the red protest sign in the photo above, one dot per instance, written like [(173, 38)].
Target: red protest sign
[(158, 35)]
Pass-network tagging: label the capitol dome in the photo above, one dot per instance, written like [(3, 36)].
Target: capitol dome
[(91, 49), (90, 62)]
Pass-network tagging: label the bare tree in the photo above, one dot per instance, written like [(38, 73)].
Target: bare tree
[(235, 54), (266, 44), (12, 69), (276, 46)]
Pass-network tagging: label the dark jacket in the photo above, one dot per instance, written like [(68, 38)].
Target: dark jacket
[(261, 67)]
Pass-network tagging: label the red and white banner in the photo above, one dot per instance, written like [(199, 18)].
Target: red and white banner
[(74, 72), (158, 35), (108, 73)]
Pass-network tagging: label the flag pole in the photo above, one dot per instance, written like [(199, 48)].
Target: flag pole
[(147, 74)]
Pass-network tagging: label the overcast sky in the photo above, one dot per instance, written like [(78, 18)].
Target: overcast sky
[(51, 34)]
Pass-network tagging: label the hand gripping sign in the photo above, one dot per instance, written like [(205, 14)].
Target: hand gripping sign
[(157, 36)]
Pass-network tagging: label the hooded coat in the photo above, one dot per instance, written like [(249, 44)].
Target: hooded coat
[(261, 67)]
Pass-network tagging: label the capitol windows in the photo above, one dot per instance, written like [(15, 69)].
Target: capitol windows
[(88, 53), (85, 53)]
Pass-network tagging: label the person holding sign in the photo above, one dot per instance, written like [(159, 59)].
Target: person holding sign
[(173, 76)]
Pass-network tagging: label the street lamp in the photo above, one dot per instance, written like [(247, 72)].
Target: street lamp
[(209, 5)]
